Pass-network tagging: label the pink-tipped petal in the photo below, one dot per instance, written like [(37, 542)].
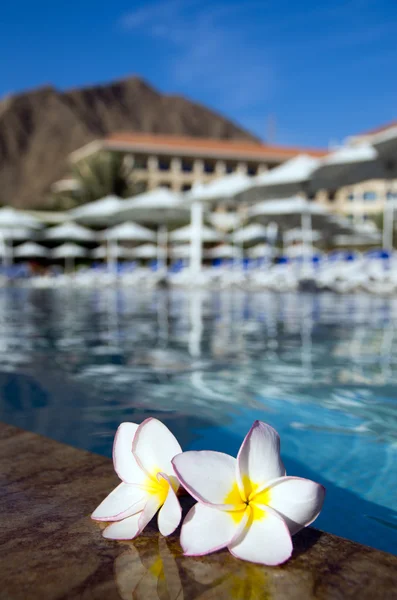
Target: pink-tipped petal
[(170, 513), (125, 500), (208, 476), (298, 501), (206, 529), (266, 541), (129, 528), (258, 460), (124, 461), (154, 447)]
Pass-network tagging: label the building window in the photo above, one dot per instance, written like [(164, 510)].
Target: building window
[(209, 167), (187, 165), (165, 185), (350, 197), (391, 195), (370, 196), (164, 164), (230, 168), (186, 187), (331, 196), (140, 162), (252, 170)]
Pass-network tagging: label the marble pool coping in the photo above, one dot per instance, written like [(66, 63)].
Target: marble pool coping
[(51, 549)]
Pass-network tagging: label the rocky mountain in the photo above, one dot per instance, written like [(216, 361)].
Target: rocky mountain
[(39, 129)]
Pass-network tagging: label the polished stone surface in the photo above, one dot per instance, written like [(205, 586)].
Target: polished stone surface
[(50, 548)]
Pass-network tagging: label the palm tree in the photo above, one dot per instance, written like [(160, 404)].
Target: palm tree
[(97, 176)]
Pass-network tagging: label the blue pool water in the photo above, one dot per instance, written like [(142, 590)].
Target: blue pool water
[(322, 369)]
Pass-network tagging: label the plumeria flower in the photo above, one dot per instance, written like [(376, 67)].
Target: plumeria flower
[(246, 504), (142, 459)]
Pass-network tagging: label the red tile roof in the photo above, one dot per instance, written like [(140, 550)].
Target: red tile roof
[(193, 145)]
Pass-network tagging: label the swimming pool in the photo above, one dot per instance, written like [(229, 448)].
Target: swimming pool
[(322, 369)]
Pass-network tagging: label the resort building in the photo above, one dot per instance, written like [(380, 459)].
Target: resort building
[(178, 162)]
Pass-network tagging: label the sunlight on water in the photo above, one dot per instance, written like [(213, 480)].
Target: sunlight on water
[(322, 369)]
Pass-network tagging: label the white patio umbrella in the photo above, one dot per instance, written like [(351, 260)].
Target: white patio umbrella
[(128, 232), (292, 177), (181, 251), (31, 250), (186, 234), (69, 252), (219, 190), (98, 213), (254, 232), (145, 251), (260, 251), (346, 166), (301, 250), (356, 162), (12, 223), (17, 234), (125, 232), (348, 241), (223, 251), (225, 221), (102, 252), (160, 207), (297, 235), (157, 207), (11, 218), (294, 208), (70, 232), (251, 233)]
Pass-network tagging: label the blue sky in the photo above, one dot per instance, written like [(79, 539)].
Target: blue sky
[(320, 70)]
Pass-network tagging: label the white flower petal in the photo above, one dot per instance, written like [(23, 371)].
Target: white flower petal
[(206, 529), (151, 507), (208, 476), (129, 528), (298, 501), (154, 447), (259, 458), (170, 513), (126, 529), (124, 461), (266, 541), (125, 500)]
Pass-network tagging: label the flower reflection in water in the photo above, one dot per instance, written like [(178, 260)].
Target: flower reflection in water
[(153, 568), (149, 574)]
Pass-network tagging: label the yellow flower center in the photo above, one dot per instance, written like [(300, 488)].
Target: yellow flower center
[(158, 486), (248, 500)]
